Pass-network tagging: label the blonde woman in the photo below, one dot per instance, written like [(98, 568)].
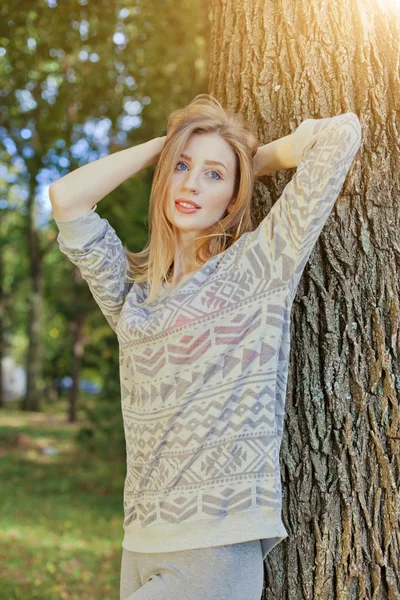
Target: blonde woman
[(202, 317)]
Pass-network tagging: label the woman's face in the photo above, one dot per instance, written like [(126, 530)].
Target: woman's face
[(205, 174)]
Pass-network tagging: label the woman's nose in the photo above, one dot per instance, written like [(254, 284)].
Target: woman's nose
[(191, 182)]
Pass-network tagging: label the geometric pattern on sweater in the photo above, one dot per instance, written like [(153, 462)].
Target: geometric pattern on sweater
[(203, 369)]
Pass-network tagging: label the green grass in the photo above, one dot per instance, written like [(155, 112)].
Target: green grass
[(60, 516)]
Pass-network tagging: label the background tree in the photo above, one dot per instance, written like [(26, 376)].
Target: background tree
[(278, 65), (82, 79)]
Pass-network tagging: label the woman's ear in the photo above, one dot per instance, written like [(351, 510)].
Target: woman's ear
[(231, 205)]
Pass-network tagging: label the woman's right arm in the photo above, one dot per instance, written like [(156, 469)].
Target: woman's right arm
[(75, 194)]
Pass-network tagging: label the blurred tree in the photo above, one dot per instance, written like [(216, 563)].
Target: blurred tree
[(83, 79), (340, 461), (13, 288)]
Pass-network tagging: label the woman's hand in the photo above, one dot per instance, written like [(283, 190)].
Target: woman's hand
[(274, 156)]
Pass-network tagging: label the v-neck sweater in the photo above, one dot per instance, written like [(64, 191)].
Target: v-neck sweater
[(204, 367)]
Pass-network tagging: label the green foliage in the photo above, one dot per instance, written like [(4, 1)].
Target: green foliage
[(104, 432), (64, 70)]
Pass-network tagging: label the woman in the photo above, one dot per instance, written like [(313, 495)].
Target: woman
[(202, 317)]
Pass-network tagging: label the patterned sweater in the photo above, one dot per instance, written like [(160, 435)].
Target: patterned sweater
[(203, 368)]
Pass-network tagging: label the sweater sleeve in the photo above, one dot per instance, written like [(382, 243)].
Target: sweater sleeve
[(284, 239), (91, 244)]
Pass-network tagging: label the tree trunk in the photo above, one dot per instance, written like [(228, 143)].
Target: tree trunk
[(34, 354), (2, 310), (76, 366), (278, 64)]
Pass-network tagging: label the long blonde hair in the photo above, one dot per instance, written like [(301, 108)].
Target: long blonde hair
[(203, 115)]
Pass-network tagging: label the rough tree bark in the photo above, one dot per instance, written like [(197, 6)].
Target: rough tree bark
[(279, 63)]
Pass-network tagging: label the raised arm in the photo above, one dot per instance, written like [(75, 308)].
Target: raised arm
[(285, 152), (88, 240), (75, 194), (323, 150)]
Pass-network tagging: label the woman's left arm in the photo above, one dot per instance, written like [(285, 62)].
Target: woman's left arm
[(285, 152), (323, 150)]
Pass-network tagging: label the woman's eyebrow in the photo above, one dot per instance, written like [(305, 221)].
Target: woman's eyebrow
[(206, 162)]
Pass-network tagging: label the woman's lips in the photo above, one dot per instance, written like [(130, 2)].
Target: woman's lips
[(184, 209)]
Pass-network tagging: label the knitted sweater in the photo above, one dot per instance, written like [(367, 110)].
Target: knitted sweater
[(203, 368)]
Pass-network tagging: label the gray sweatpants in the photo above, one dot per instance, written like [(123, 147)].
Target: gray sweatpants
[(232, 572)]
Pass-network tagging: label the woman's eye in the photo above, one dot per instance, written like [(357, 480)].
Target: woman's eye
[(217, 172)]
